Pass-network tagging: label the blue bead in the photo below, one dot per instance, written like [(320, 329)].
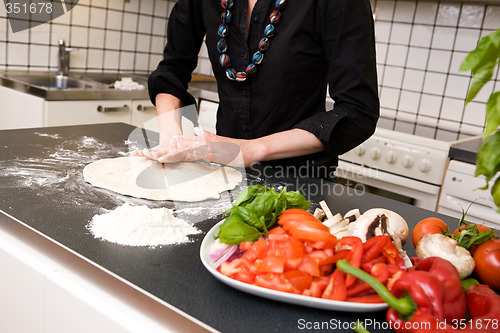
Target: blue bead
[(223, 30), (251, 70), (222, 45), (269, 30), (275, 16), (280, 4), (226, 16), (264, 44), (257, 58), (227, 4), (231, 74), (241, 76), (224, 60)]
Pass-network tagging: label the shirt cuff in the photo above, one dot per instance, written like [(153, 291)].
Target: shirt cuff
[(322, 126), (168, 84)]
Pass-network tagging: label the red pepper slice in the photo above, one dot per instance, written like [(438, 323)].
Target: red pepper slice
[(374, 246), (336, 288), (356, 255)]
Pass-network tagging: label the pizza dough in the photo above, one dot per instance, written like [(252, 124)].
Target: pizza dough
[(144, 178)]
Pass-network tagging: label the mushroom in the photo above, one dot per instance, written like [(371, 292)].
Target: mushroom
[(395, 226), (439, 245), (352, 215)]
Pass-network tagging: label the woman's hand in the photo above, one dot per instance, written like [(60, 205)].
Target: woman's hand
[(204, 146)]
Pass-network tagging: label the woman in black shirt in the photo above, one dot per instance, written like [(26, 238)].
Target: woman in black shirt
[(273, 61)]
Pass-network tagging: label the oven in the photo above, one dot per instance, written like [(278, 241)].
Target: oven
[(397, 165), (461, 192)]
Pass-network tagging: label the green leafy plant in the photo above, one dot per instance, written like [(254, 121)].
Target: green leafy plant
[(482, 62)]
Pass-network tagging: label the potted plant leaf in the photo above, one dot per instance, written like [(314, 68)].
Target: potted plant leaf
[(483, 61)]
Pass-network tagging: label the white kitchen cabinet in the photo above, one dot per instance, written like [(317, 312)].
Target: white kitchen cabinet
[(144, 115), (62, 113), (20, 110)]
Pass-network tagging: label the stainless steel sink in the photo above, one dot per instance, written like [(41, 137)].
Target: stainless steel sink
[(52, 81), (75, 86)]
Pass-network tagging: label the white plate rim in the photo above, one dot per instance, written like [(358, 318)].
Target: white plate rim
[(275, 295)]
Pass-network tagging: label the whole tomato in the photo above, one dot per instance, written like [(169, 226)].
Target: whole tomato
[(487, 258), (430, 225)]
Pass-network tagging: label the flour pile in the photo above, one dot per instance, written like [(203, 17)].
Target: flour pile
[(141, 226)]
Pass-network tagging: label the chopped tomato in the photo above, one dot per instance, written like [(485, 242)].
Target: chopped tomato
[(274, 281), (270, 264), (257, 251)]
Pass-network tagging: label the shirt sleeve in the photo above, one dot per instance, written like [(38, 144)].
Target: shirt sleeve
[(185, 33), (347, 30)]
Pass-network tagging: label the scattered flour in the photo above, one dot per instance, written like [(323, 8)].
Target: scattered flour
[(141, 226)]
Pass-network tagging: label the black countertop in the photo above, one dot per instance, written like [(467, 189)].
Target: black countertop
[(465, 150), (41, 184)]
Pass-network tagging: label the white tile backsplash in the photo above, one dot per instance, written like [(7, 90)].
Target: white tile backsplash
[(452, 109), (426, 12), (474, 114), (434, 83), (114, 20), (80, 15), (417, 57), (393, 77), (439, 60), (97, 17), (409, 101), (443, 38), (421, 35), (471, 16), (492, 17), (413, 80), (404, 11), (430, 105), (400, 33), (448, 14), (396, 55), (457, 86), (384, 10)]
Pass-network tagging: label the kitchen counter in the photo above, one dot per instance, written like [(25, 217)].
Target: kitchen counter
[(465, 150), (42, 189), (94, 86)]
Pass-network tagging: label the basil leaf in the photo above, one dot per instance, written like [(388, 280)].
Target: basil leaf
[(495, 192), (249, 217), (492, 114), (488, 158), (248, 194), (235, 231)]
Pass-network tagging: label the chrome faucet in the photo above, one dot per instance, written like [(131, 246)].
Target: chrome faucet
[(63, 59)]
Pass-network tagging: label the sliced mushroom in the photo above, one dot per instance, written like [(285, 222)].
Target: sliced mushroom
[(352, 215), (396, 226)]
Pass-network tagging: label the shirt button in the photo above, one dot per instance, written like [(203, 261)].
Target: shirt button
[(256, 18)]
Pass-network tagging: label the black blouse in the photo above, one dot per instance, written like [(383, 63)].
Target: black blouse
[(318, 44)]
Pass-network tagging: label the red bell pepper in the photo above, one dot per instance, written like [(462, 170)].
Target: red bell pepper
[(420, 295)]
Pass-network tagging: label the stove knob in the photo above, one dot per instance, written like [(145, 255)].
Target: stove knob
[(375, 153), (425, 165), (360, 150), (407, 161), (391, 157)]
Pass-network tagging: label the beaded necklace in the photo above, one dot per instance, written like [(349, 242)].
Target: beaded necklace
[(258, 57)]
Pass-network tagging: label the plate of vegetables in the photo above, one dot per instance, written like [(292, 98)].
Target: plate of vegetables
[(293, 259)]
